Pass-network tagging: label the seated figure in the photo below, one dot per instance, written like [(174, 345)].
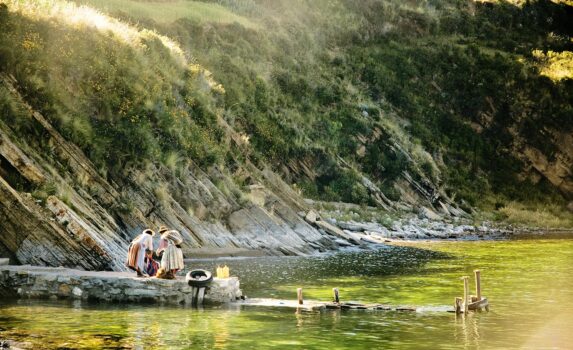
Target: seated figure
[(151, 266)]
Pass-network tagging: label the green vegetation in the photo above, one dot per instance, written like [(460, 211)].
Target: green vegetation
[(543, 216), (449, 91), (168, 11), (120, 94)]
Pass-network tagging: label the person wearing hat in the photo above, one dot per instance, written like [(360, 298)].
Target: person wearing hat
[(136, 251), (172, 258), (162, 242)]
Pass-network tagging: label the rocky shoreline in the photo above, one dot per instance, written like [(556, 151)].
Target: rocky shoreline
[(413, 228), (420, 229), (426, 225)]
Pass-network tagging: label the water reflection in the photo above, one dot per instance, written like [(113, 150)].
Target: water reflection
[(466, 329), (527, 282)]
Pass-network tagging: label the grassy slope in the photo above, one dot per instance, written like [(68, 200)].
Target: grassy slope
[(308, 81), (121, 94), (170, 11)]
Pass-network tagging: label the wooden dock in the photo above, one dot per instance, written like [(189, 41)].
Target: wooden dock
[(314, 305), (461, 305), (471, 302), (61, 283)]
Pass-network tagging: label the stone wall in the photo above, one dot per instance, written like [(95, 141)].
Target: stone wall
[(61, 283)]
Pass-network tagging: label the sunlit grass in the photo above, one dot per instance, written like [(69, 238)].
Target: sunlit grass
[(523, 2), (168, 12), (84, 16), (100, 78), (555, 65)]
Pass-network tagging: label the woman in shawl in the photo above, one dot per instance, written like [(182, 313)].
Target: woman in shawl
[(162, 242), (136, 251), (172, 259)]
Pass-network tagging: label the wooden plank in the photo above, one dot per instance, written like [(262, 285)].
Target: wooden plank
[(382, 307), (479, 304), (309, 305), (404, 308), (194, 291)]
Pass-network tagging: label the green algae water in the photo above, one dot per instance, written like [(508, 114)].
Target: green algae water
[(528, 283)]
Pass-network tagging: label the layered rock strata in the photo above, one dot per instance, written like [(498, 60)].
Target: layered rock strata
[(87, 220)]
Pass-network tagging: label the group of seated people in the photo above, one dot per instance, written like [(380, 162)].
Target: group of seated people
[(142, 259)]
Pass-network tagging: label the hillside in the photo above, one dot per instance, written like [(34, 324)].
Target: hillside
[(477, 95), (219, 117)]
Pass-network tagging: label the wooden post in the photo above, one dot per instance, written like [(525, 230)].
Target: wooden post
[(200, 296), (466, 294), (193, 293), (299, 295), (336, 297), (458, 305), (478, 284)]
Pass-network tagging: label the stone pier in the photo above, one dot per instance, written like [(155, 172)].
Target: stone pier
[(61, 283)]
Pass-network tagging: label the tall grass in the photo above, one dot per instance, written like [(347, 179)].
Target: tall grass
[(534, 215), (170, 11), (84, 16)]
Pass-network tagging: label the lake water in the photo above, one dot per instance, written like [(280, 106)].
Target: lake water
[(528, 283)]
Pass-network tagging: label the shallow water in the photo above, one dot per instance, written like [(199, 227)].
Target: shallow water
[(528, 284)]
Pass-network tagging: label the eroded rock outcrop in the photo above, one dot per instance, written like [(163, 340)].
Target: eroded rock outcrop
[(57, 210)]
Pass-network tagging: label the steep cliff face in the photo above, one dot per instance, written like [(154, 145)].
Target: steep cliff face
[(88, 229), (58, 211), (556, 168)]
